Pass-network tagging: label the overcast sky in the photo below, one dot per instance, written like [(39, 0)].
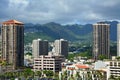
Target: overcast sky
[(60, 11)]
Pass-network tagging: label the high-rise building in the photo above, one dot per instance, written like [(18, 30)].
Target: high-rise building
[(61, 47), (12, 32), (40, 47), (118, 40), (101, 39)]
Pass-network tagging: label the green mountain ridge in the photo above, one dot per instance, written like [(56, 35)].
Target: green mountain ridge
[(52, 31), (75, 32)]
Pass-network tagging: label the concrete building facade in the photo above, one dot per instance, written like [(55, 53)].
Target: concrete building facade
[(114, 68), (12, 32), (61, 47), (48, 62), (40, 47), (101, 39)]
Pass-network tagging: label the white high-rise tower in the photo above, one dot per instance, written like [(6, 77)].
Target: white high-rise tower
[(40, 47), (118, 39), (61, 47)]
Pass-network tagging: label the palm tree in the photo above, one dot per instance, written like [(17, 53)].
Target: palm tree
[(28, 73), (112, 77), (78, 77), (89, 75), (101, 75), (1, 76), (38, 73), (9, 75), (56, 74), (44, 72), (49, 73), (95, 76), (118, 78), (17, 74), (3, 63), (72, 78), (32, 74), (64, 76)]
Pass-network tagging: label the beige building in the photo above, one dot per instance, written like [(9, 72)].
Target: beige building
[(101, 39), (12, 32), (48, 62)]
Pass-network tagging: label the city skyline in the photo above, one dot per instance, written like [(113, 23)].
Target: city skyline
[(87, 50), (60, 11), (12, 53)]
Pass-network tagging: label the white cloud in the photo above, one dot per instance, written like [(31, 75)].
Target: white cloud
[(61, 11), (18, 4)]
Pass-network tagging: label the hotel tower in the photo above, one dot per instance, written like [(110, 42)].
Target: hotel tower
[(101, 39), (12, 32)]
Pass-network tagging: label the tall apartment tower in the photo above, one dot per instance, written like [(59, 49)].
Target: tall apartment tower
[(61, 47), (12, 32), (118, 39), (40, 48), (101, 39)]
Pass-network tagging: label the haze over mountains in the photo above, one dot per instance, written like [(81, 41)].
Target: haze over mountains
[(75, 32)]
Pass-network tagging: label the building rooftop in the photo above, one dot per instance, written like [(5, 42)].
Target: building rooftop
[(82, 66), (12, 22)]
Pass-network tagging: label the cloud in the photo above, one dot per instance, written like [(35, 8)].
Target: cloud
[(61, 11), (3, 8)]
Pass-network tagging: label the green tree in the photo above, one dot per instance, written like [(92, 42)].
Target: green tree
[(1, 76), (38, 73), (64, 76), (71, 57), (102, 57), (118, 58), (112, 77), (28, 73), (118, 78), (48, 73), (3, 63), (30, 54), (56, 76), (78, 77), (89, 75)]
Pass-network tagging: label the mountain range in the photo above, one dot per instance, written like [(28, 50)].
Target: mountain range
[(74, 32)]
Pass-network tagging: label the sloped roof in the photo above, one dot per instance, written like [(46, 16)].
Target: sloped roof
[(81, 66), (12, 22)]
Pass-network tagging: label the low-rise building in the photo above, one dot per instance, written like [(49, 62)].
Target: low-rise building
[(76, 71), (113, 69)]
